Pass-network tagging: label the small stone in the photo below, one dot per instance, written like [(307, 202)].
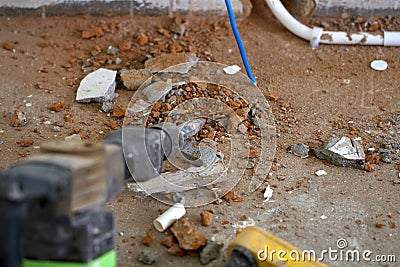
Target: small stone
[(210, 252), (57, 128), (118, 112), (300, 150), (73, 138), (147, 257), (94, 32), (242, 128), (107, 106), (385, 155), (148, 239), (25, 143), (230, 195), (178, 28), (57, 107), (118, 61), (125, 45), (111, 50), (368, 167), (188, 237), (206, 218), (273, 97), (8, 46), (19, 119), (142, 39), (67, 117)]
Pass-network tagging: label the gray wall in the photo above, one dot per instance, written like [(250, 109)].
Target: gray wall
[(142, 6)]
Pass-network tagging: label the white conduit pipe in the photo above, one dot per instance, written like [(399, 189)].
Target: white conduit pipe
[(317, 35)]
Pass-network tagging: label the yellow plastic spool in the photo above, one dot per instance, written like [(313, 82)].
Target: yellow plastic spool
[(271, 251)]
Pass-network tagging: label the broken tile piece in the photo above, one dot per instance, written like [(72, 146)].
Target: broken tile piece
[(98, 86), (342, 151), (188, 237)]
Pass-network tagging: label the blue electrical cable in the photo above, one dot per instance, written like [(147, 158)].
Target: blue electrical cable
[(239, 42)]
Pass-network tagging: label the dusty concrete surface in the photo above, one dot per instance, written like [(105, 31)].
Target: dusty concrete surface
[(313, 94)]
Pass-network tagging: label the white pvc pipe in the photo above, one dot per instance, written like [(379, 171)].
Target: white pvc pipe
[(317, 35), (169, 217)]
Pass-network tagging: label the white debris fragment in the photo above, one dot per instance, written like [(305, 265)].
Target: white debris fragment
[(28, 104), (244, 224), (232, 69), (324, 217), (97, 86), (268, 193), (320, 173), (379, 65), (371, 149)]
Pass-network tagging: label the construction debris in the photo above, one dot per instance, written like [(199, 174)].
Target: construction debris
[(188, 237), (342, 151), (148, 239), (268, 193), (385, 155), (320, 173), (19, 119), (57, 107), (300, 150), (133, 79), (147, 257), (232, 69), (210, 252), (206, 218), (98, 86)]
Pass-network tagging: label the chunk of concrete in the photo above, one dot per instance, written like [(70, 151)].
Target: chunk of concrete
[(98, 86), (210, 252), (188, 237), (342, 151)]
